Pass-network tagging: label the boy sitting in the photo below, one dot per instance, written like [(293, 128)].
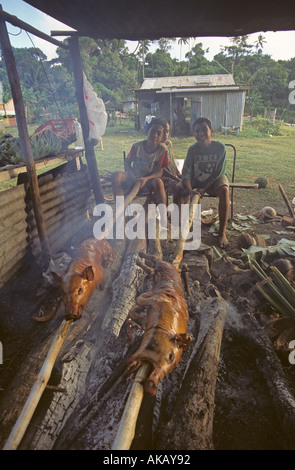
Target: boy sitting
[(204, 172), (145, 163)]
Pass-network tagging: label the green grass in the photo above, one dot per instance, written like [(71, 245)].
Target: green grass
[(271, 157)]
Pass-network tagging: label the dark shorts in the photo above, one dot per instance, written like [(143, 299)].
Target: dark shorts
[(222, 181)]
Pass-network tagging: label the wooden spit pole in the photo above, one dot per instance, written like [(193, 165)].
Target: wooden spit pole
[(178, 253), (126, 430), (127, 200), (39, 386)]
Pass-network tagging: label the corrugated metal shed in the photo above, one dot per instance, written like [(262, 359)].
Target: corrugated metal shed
[(216, 97)]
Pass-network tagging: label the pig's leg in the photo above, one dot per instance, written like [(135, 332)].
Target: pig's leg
[(137, 309), (146, 268)]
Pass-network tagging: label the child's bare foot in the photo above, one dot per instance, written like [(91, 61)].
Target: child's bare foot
[(223, 241)]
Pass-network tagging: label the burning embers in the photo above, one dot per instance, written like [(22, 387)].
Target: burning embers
[(164, 322)]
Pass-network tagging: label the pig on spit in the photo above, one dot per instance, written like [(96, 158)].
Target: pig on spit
[(164, 322), (84, 273)]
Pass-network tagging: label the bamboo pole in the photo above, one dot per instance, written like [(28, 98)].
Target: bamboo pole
[(24, 137), (39, 386), (128, 199), (126, 430), (178, 253), (121, 209)]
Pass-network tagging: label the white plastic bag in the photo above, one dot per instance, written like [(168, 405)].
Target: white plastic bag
[(96, 112)]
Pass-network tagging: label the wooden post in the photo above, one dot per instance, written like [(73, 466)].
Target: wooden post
[(89, 149), (287, 202), (24, 138), (21, 24), (172, 129)]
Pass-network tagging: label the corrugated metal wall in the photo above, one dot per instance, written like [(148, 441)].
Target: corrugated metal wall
[(13, 235), (65, 197), (223, 108), (64, 202), (234, 109), (213, 108)]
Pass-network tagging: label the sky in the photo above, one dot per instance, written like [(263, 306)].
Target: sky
[(279, 45)]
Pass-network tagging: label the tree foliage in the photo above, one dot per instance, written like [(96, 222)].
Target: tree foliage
[(114, 72)]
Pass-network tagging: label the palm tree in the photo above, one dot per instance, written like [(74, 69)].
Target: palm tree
[(181, 42), (259, 44)]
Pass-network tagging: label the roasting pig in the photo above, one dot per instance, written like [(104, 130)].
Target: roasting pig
[(164, 323), (84, 273)]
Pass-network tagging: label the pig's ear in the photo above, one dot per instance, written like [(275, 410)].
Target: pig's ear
[(183, 339), (57, 277), (88, 273)]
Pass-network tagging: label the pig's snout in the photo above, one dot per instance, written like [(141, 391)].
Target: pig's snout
[(74, 312), (152, 381)]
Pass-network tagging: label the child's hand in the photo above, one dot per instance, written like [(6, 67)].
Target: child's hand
[(201, 192), (142, 180)]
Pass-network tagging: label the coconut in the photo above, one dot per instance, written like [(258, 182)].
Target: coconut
[(285, 266), (268, 213), (245, 240)]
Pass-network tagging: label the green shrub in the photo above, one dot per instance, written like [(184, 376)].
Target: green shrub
[(261, 128)]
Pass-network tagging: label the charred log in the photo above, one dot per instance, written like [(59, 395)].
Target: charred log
[(125, 288), (273, 373), (191, 422)]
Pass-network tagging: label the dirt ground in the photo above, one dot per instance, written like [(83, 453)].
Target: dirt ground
[(244, 414)]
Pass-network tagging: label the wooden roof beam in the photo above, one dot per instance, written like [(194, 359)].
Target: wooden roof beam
[(21, 24)]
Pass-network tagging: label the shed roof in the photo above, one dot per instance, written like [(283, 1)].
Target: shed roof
[(190, 81), (139, 19)]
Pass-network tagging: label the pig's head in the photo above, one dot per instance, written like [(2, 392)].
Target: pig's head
[(163, 352), (76, 290)]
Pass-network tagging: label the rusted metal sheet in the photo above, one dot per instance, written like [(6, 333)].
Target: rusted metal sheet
[(65, 199), (13, 235), (189, 81)]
